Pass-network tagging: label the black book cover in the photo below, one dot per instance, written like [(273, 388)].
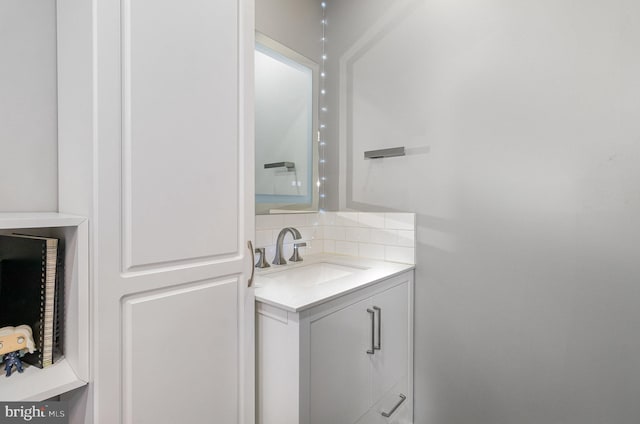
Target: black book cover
[(22, 301), (27, 264), (58, 323)]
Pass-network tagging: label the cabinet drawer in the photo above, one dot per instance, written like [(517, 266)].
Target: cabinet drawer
[(392, 401)]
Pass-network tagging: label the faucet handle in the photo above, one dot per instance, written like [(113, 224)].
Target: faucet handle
[(296, 253), (279, 259), (262, 262)]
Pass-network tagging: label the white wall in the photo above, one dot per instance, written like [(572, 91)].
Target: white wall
[(523, 127), (28, 116)]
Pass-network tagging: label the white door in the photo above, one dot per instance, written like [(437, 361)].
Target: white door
[(174, 211), (340, 377)]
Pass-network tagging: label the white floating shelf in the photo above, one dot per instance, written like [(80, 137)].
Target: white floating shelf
[(10, 220), (36, 384)]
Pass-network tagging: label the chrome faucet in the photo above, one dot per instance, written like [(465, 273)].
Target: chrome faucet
[(295, 257), (279, 259), (262, 262)]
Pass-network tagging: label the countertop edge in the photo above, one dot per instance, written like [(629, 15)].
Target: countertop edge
[(300, 308)]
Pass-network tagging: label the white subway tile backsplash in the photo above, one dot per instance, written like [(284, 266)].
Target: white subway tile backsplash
[(334, 233), (347, 248), (388, 236), (364, 235), (329, 246), (296, 220), (263, 238), (327, 218), (313, 219), (270, 253), (307, 233), (274, 222), (316, 246), (260, 222), (384, 236), (312, 248), (351, 233), (369, 250), (371, 219), (399, 221), (399, 254), (287, 251), (406, 238), (347, 219)]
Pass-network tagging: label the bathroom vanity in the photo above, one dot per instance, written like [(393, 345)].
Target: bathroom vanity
[(334, 342)]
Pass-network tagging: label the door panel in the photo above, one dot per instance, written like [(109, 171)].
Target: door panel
[(180, 130), (181, 355), (390, 363), (340, 385)]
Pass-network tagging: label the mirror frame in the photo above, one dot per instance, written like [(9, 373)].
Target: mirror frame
[(281, 49)]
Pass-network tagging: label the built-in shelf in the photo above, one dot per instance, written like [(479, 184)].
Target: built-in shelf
[(71, 371), (36, 384), (9, 220)]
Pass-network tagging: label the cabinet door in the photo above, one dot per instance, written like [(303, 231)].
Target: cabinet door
[(173, 212), (340, 378), (391, 362)]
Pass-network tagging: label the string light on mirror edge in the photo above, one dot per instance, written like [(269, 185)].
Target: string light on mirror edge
[(322, 127)]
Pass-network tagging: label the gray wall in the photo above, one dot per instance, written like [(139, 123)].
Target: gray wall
[(28, 116), (522, 120)]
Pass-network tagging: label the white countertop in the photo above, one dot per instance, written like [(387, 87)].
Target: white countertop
[(276, 288)]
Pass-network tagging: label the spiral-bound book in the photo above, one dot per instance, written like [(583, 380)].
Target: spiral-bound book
[(31, 292)]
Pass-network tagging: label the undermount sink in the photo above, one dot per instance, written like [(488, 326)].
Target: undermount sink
[(313, 274)]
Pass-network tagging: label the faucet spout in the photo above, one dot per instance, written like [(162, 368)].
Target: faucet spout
[(279, 259)]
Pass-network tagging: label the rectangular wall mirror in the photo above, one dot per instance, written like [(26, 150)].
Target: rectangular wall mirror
[(286, 103)]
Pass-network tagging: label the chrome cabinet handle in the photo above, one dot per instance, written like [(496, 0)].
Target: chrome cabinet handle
[(373, 342), (388, 414), (379, 346), (253, 261)]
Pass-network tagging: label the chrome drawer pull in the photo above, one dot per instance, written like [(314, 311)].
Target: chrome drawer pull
[(388, 414), (375, 308), (373, 341)]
